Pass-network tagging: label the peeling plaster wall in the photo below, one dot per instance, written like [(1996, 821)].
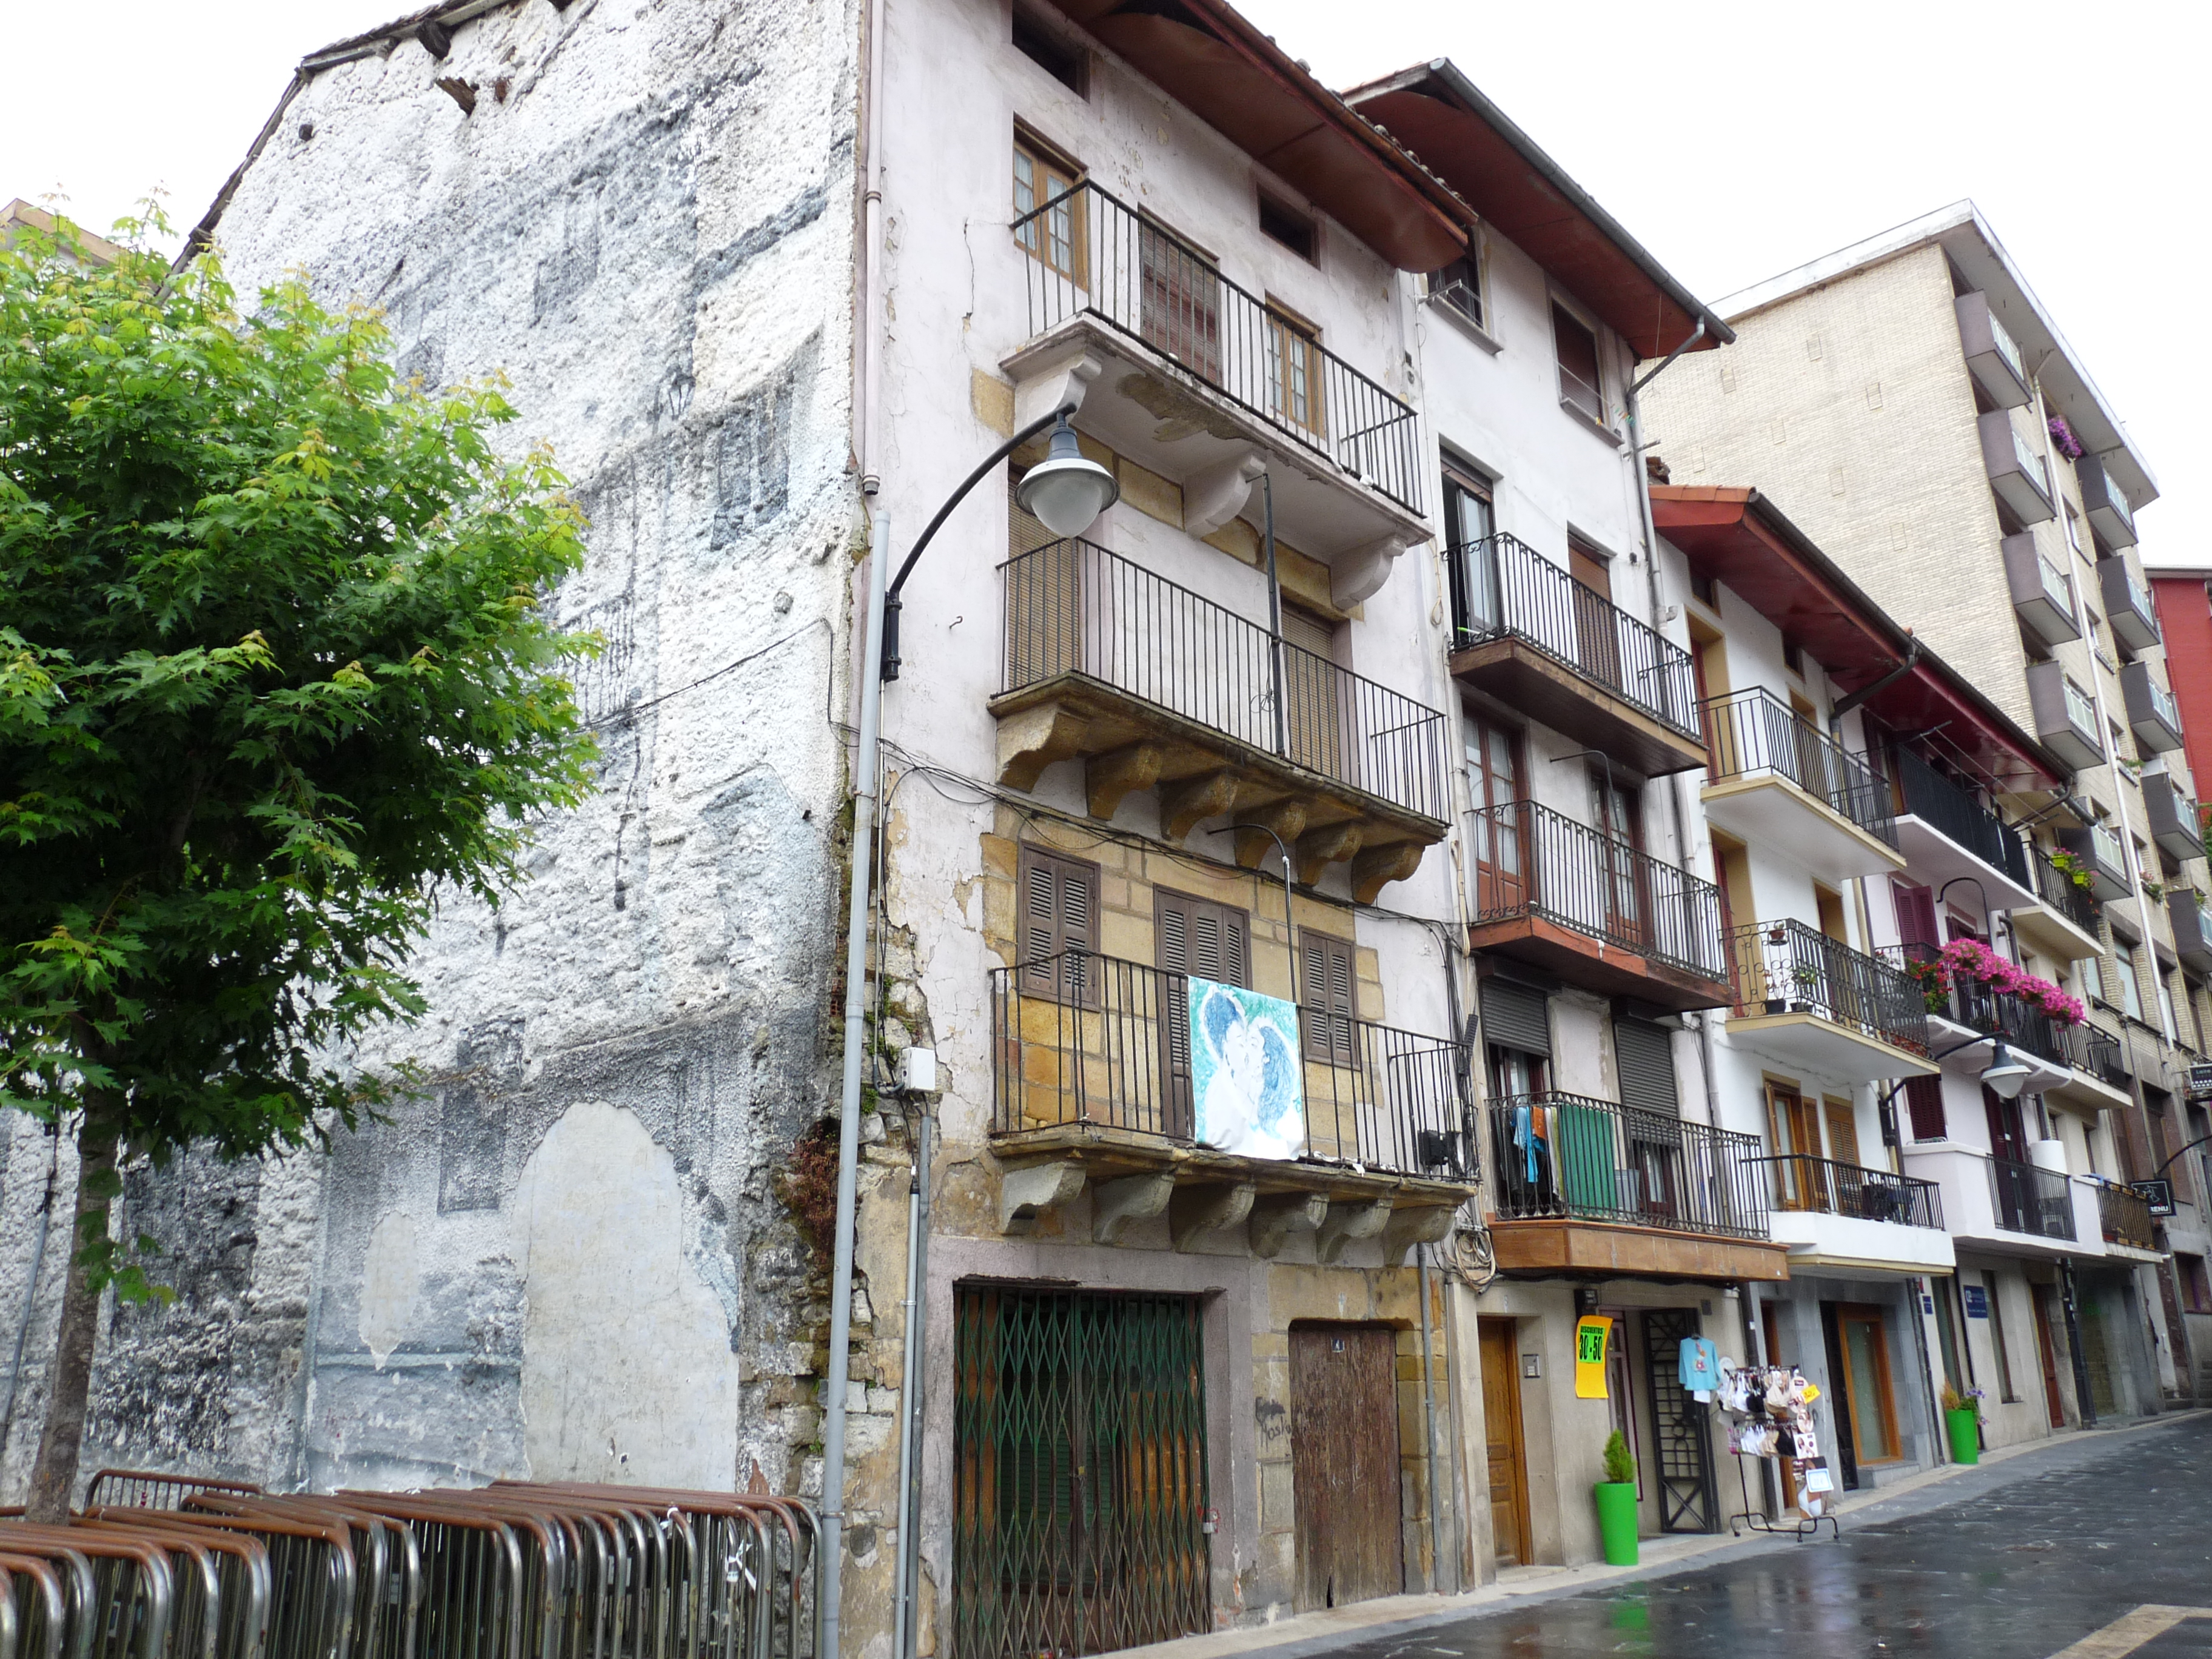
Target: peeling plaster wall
[(567, 1260)]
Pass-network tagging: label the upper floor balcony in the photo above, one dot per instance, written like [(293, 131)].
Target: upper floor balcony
[(2153, 715), (1202, 382), (2110, 516), (1579, 1185), (1834, 1215), (2127, 604), (2170, 813), (1527, 633), (1154, 687), (1991, 357), (1774, 779), (2042, 594), (2124, 1219), (2064, 919), (2097, 1077), (2094, 851), (2192, 928), (1811, 1000), (1945, 832), (2016, 472), (1093, 1091), (2065, 716), (1585, 905), (2031, 1199), (1961, 1010), (2012, 1207)]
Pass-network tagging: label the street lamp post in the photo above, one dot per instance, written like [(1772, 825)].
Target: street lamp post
[(1068, 493)]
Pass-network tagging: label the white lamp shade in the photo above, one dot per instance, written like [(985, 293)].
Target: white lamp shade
[(1066, 496), (2005, 1076)]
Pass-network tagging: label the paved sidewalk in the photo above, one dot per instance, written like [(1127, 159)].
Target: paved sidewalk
[(1364, 1623)]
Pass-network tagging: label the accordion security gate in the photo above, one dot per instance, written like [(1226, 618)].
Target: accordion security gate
[(1080, 1485)]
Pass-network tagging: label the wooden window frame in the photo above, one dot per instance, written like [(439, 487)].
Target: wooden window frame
[(1294, 350), (1031, 862), (1885, 1402), (1054, 173), (1569, 378)]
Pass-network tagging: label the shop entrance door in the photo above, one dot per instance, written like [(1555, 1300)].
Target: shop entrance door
[(1343, 1463), (1501, 1428), (1681, 1447), (1080, 1483), (2047, 1352)]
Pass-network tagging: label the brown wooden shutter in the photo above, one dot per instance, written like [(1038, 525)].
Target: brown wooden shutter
[(1043, 596), (1192, 936), (1058, 913), (1923, 1099), (1325, 987)]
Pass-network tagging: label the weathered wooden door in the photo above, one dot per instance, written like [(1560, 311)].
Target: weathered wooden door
[(1343, 1463), (2047, 1352), (1501, 1429)]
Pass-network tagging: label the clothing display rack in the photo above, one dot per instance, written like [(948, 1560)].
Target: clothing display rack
[(1769, 1412)]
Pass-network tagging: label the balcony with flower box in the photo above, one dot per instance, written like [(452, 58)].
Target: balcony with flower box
[(2153, 715), (2110, 515), (2063, 921), (2127, 604), (1527, 633), (1585, 905), (1975, 997), (2094, 851), (1776, 780), (1092, 1094), (2042, 594), (2170, 813), (1583, 1186), (1205, 383), (1154, 687), (2016, 472), (2065, 716), (1807, 999)]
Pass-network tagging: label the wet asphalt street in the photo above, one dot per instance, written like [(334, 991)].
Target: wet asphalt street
[(2016, 1560)]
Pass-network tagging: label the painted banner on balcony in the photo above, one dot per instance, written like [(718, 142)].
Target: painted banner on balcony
[(1246, 1081)]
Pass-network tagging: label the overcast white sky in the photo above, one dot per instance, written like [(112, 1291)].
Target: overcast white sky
[(1736, 138)]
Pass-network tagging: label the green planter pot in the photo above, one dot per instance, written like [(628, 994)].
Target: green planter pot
[(1965, 1430), (1616, 1521)]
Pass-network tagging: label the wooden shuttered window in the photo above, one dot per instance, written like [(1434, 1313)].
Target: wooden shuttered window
[(1057, 915), (1325, 987), (1646, 1058), (1923, 1101), (1192, 937)]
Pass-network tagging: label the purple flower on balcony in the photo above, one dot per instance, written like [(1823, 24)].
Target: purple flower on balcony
[(2062, 436)]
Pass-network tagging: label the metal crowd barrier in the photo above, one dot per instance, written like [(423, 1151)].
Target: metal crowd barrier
[(178, 1567)]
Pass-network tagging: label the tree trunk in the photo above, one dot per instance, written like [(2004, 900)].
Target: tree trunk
[(53, 1477)]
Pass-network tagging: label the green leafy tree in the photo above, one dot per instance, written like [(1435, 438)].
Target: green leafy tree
[(275, 673)]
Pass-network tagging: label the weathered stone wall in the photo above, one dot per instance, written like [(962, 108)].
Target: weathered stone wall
[(570, 1260)]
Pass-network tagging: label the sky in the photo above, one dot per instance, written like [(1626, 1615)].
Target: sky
[(1735, 140)]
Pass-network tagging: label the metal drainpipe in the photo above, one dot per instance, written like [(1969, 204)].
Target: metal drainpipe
[(868, 333), (913, 1394), (1428, 1427), (900, 1595)]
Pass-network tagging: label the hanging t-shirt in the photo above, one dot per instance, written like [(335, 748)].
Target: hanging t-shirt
[(1700, 1362)]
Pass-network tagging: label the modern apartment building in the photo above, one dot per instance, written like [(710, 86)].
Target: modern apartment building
[(1914, 409)]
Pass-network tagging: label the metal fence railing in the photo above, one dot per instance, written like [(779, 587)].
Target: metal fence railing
[(2123, 1217), (1803, 1182), (1530, 860), (1073, 607), (2075, 903), (1753, 733), (1555, 1156), (1091, 254), (1944, 805), (1785, 966), (1115, 1050), (214, 1570), (2093, 1049), (2032, 1200), (1501, 587)]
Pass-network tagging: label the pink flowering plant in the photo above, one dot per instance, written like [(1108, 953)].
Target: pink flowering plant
[(1971, 960)]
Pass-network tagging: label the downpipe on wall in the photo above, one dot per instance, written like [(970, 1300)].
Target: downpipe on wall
[(907, 1633)]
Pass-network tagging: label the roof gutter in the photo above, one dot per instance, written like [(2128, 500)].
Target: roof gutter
[(1844, 705)]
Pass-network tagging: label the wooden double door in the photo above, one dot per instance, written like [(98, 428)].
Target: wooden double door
[(1345, 1473)]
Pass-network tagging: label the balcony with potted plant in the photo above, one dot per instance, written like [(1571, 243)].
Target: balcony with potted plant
[(1810, 1000), (2063, 921)]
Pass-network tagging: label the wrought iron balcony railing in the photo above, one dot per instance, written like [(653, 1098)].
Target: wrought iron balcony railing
[(1501, 587), (1532, 861), (2123, 1217), (1555, 1156), (1753, 733), (1981, 1007), (2093, 1049), (1074, 608), (1785, 966), (1080, 1038), (2032, 1200), (1802, 1182), (1939, 802), (2076, 903), (1091, 254)]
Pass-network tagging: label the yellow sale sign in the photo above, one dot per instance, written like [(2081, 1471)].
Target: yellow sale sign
[(1591, 1332)]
